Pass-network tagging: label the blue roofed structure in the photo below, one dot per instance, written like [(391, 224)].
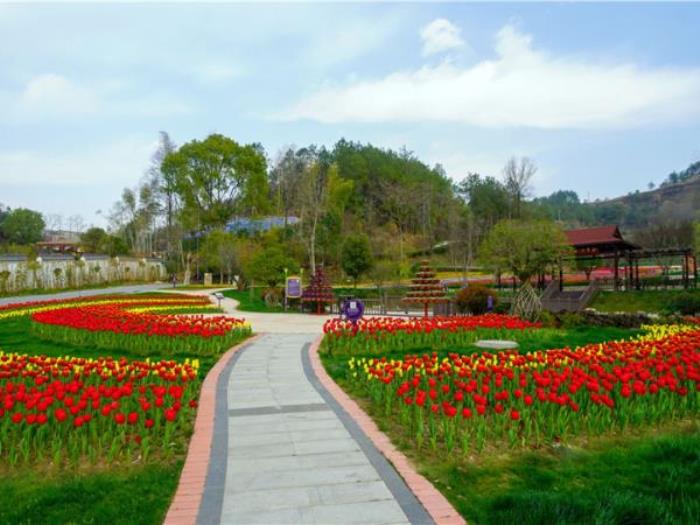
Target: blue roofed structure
[(241, 224)]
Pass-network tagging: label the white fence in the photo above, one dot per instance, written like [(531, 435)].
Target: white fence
[(57, 272)]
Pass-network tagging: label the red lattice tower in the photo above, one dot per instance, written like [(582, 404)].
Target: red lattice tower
[(425, 288), (319, 291)]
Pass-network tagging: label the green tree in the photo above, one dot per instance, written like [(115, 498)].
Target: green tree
[(488, 201), (93, 239), (4, 212), (268, 266), (588, 265), (23, 226), (218, 252), (216, 177), (356, 256), (114, 245), (524, 248)]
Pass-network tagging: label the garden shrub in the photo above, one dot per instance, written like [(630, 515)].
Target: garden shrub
[(474, 299), (548, 319), (272, 296), (685, 303), (571, 320), (590, 317)]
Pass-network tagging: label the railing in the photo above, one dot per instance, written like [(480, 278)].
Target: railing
[(569, 300)]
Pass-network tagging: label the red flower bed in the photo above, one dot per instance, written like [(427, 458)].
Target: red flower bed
[(68, 408), (122, 324), (116, 317), (529, 399), (398, 333)]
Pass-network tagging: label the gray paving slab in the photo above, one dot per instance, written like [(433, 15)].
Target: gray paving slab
[(290, 456), (136, 288)]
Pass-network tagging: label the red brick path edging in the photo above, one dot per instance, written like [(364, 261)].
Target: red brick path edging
[(185, 505), (440, 510)]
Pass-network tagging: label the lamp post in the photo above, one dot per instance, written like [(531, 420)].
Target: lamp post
[(301, 287), (286, 271)]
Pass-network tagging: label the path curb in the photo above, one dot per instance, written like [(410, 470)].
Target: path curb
[(440, 510), (188, 497)]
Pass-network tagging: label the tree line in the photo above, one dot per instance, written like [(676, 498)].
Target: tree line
[(353, 207)]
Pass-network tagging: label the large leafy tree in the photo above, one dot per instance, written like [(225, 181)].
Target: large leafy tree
[(216, 177), (23, 226), (268, 266), (219, 253), (93, 239), (357, 256), (525, 248)]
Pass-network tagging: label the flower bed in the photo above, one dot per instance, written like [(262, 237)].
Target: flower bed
[(75, 409), (374, 334), (127, 324), (28, 308), (475, 401)]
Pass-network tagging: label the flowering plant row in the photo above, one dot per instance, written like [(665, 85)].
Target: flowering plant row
[(128, 325), (373, 334), (31, 307), (472, 401), (71, 409)]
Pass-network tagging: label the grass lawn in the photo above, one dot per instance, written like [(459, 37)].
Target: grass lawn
[(135, 494), (649, 479), (636, 301), (254, 303), (642, 477), (129, 494), (45, 291)]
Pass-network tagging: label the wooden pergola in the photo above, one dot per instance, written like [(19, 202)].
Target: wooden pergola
[(606, 242)]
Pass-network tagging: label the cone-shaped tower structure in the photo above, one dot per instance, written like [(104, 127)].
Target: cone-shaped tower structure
[(319, 291), (425, 288)]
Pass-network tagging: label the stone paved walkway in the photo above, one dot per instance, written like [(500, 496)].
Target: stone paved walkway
[(284, 451), (130, 288)]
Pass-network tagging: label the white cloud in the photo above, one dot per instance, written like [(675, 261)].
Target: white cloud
[(115, 164), (440, 35), (54, 94), (50, 95), (521, 86)]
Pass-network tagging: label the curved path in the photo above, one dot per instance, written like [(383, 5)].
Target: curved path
[(291, 454), (131, 288), (282, 449)]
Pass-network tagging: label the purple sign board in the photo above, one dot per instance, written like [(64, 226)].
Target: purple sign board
[(353, 310), (293, 288)]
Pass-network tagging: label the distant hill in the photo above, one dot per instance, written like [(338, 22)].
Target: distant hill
[(674, 202)]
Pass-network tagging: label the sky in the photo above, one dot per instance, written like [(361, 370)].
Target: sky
[(605, 98)]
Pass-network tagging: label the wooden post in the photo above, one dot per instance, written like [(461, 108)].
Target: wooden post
[(617, 271), (629, 273), (561, 279)]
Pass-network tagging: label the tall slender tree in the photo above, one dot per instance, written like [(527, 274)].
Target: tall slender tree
[(517, 177)]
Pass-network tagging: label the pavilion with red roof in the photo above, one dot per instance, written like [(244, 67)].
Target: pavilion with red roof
[(607, 242), (598, 241)]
